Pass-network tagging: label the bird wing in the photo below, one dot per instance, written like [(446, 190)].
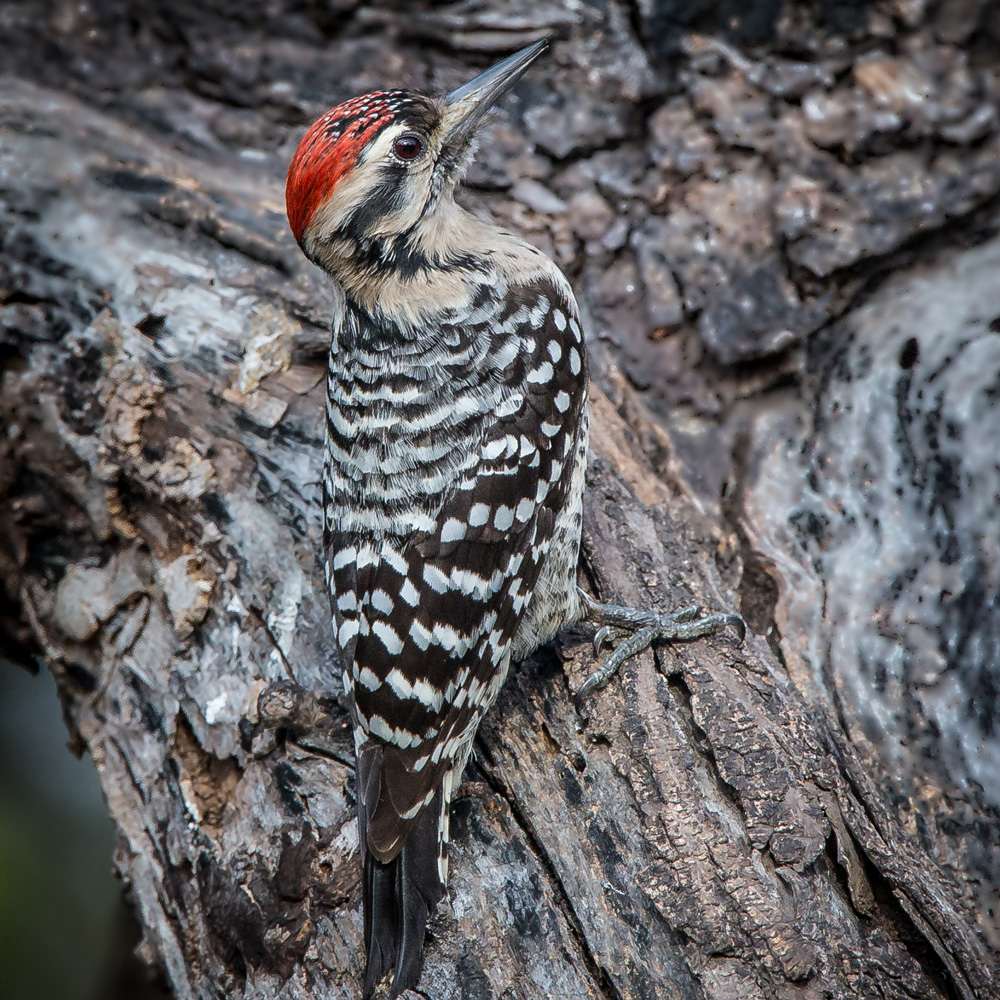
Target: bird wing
[(435, 612)]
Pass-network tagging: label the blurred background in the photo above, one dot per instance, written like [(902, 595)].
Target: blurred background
[(65, 931)]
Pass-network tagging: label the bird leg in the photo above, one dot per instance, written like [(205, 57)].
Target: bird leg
[(631, 631)]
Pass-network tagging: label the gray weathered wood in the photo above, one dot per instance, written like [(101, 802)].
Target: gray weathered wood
[(721, 826)]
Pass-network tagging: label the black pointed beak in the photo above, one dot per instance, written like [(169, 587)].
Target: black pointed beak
[(470, 103)]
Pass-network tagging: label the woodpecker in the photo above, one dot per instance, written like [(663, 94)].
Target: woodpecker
[(456, 445)]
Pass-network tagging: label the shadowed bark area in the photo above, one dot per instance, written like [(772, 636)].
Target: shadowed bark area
[(782, 227)]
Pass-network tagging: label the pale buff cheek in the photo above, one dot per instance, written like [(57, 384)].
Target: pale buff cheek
[(333, 257), (445, 232), (329, 216)]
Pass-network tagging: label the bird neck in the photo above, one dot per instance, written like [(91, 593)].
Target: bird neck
[(433, 272)]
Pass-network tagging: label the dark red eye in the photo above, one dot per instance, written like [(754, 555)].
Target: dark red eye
[(408, 147)]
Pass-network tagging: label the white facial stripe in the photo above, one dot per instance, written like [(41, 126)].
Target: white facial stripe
[(352, 188)]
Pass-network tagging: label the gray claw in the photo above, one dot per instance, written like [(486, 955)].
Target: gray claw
[(600, 638), (585, 688), (738, 625)]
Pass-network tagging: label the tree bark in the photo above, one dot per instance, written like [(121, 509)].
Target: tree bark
[(778, 428)]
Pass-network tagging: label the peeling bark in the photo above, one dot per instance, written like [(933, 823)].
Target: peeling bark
[(813, 813)]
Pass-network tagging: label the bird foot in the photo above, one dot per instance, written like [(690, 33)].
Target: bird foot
[(630, 631)]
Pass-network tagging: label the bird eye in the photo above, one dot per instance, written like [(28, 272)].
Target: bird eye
[(408, 147)]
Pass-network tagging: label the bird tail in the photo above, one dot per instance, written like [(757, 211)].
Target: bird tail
[(399, 896)]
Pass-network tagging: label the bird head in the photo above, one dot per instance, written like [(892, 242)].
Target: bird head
[(371, 175)]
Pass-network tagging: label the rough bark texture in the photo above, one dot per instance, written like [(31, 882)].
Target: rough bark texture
[(782, 226)]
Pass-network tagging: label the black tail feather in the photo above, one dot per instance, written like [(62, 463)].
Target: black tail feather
[(381, 923), (399, 897), (420, 889)]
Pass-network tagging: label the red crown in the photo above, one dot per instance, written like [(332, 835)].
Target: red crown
[(331, 148)]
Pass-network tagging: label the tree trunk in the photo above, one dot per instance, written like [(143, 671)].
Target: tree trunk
[(780, 427)]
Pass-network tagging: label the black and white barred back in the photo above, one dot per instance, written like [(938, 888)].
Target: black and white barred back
[(452, 514)]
